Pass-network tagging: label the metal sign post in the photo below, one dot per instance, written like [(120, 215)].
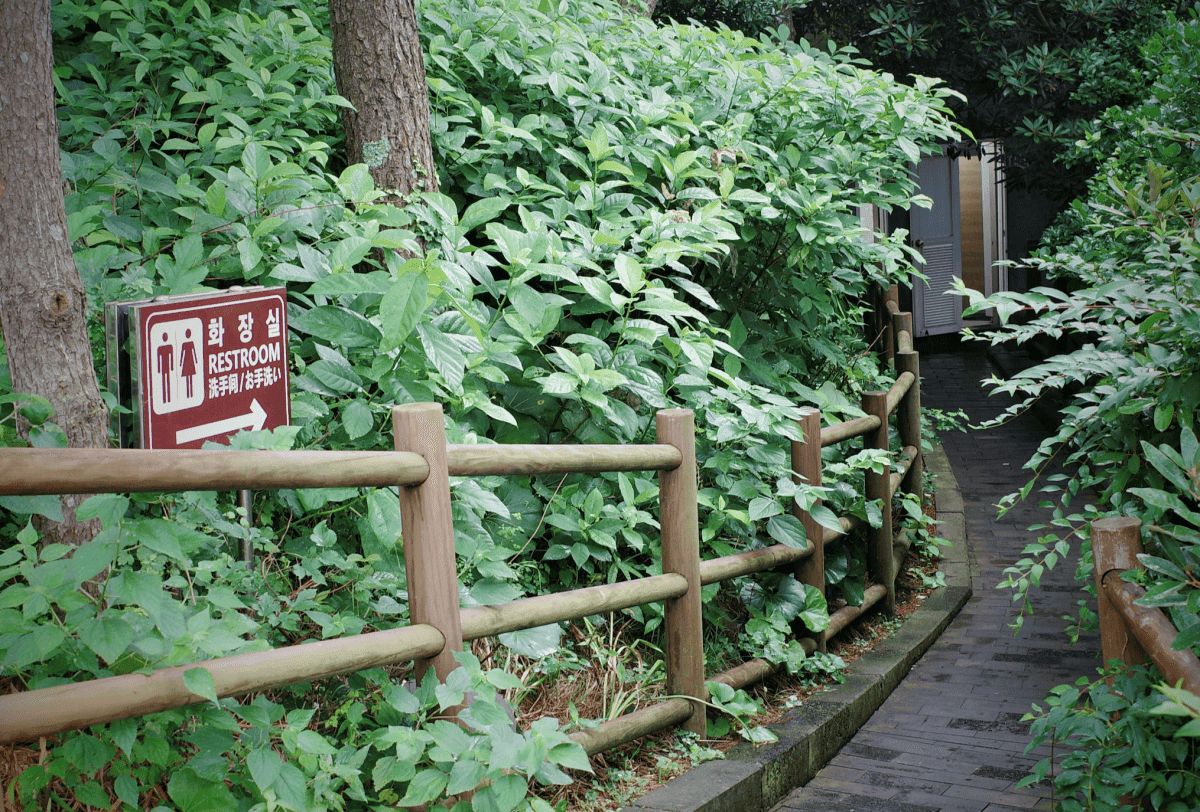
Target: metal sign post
[(199, 368)]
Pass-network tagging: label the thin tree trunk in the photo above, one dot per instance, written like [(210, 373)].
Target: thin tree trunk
[(43, 310), (380, 69)]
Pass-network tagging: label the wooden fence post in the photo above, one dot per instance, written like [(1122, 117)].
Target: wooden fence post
[(806, 469), (428, 530), (683, 619), (879, 486), (1116, 542), (908, 418), (901, 323), (892, 294)]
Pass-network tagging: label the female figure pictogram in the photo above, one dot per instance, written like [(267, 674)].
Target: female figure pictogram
[(187, 362)]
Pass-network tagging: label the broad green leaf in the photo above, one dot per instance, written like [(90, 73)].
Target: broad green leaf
[(45, 505), (309, 741), (200, 682), (34, 647), (265, 766), (529, 304), (357, 419), (535, 643), (191, 793), (447, 358), (825, 517), (356, 183), (383, 513), (106, 635), (630, 273), (402, 308), (763, 507), (482, 211), (353, 284), (427, 786), (336, 325), (787, 530), (465, 776)]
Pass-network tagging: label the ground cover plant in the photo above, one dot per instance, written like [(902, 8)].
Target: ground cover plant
[(603, 246), (1128, 258)]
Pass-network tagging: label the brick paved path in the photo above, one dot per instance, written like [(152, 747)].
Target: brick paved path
[(950, 737)]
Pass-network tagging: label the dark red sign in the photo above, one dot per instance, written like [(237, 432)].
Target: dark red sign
[(210, 366)]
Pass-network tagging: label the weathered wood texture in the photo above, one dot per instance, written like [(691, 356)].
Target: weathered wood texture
[(528, 613), (848, 430), (44, 712), (806, 470), (32, 471), (43, 309), (908, 423), (902, 329), (891, 305), (380, 69), (1116, 541), (509, 460), (716, 570), (641, 722), (897, 392), (682, 620), (428, 529), (879, 539)]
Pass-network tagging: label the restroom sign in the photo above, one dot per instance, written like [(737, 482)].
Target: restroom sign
[(209, 366)]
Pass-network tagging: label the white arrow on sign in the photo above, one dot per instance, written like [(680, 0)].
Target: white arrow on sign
[(254, 420)]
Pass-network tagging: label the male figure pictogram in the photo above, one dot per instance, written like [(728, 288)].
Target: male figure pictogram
[(165, 366)]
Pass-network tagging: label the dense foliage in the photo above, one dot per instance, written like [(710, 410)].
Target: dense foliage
[(631, 217), (1032, 72), (1129, 255)]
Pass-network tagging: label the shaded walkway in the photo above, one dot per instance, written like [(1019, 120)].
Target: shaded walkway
[(950, 737)]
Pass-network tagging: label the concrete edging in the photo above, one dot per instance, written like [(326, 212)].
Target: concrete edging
[(753, 779)]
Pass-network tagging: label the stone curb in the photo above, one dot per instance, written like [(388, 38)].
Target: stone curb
[(753, 779)]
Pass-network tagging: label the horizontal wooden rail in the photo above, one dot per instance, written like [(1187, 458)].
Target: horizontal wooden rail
[(1116, 544), (641, 722), (899, 390), (511, 460), (843, 617), (716, 570), (33, 471), (831, 435), (1154, 631), (753, 671), (907, 457), (30, 715), (528, 613)]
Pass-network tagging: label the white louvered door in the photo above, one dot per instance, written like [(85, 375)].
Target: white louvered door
[(937, 235)]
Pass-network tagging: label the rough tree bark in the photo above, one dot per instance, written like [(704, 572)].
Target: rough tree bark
[(43, 311), (379, 68)]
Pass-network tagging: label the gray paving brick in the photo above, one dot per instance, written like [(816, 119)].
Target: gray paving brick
[(950, 738)]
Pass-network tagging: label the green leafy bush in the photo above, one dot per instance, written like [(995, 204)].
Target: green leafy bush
[(1128, 256), (1120, 741)]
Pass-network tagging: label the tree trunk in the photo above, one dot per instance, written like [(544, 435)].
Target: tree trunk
[(43, 310), (379, 68)]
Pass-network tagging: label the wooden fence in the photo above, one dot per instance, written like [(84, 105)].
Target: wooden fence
[(421, 465), (1129, 632)]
